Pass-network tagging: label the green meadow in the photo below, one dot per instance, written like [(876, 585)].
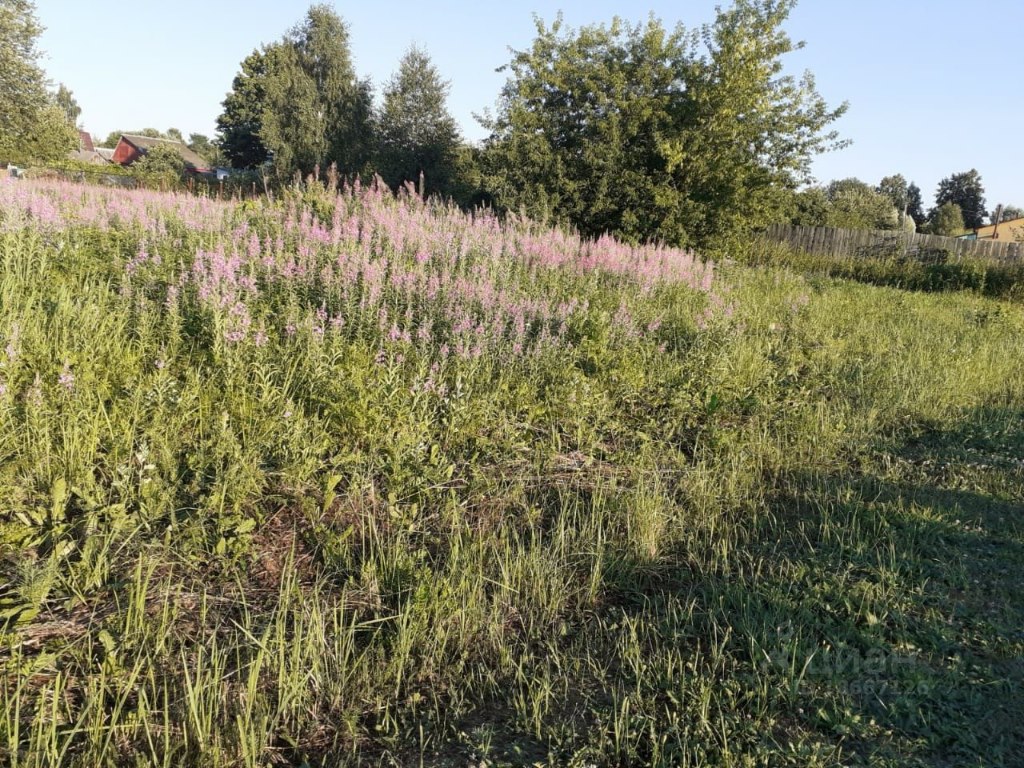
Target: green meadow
[(356, 480)]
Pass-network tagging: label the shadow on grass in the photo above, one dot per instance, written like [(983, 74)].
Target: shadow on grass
[(882, 610)]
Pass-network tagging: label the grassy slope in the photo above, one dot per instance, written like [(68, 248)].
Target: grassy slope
[(792, 538)]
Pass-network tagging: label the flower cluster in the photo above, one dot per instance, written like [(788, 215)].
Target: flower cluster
[(400, 272)]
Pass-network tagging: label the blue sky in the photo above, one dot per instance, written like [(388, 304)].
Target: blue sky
[(933, 85)]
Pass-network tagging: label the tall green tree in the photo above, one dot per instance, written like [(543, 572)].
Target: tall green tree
[(241, 123), (915, 205), (206, 149), (294, 121), (948, 220), (32, 125), (895, 188), (847, 204), (317, 111), (573, 140), (22, 81), (854, 204), (966, 191), (299, 102), (323, 47), (65, 99), (657, 134), (416, 133), (749, 133), (906, 198)]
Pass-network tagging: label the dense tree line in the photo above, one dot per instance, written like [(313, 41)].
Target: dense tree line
[(853, 204), (298, 104), (960, 206), (677, 135), (683, 136)]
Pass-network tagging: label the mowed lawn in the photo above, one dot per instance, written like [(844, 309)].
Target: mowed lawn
[(350, 480)]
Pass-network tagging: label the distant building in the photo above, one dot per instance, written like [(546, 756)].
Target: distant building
[(132, 148), (86, 152), (1009, 231)]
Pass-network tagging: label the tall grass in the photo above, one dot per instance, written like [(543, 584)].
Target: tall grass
[(350, 479)]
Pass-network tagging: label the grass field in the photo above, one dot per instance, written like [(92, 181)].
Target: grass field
[(349, 480)]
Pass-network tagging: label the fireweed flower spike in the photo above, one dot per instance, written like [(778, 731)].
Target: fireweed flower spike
[(66, 379)]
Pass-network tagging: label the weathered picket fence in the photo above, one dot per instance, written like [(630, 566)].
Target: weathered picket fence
[(866, 243)]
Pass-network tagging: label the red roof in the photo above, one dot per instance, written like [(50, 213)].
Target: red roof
[(85, 141), (131, 147)]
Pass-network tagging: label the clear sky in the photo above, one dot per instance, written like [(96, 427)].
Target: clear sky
[(933, 85)]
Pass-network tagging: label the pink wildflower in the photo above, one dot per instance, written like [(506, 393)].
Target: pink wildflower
[(66, 378)]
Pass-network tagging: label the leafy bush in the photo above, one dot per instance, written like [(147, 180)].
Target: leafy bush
[(161, 164)]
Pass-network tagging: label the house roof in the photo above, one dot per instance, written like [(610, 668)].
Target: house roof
[(90, 156), (143, 143), (85, 141)]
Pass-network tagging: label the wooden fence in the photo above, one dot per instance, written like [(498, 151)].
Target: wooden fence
[(866, 243)]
